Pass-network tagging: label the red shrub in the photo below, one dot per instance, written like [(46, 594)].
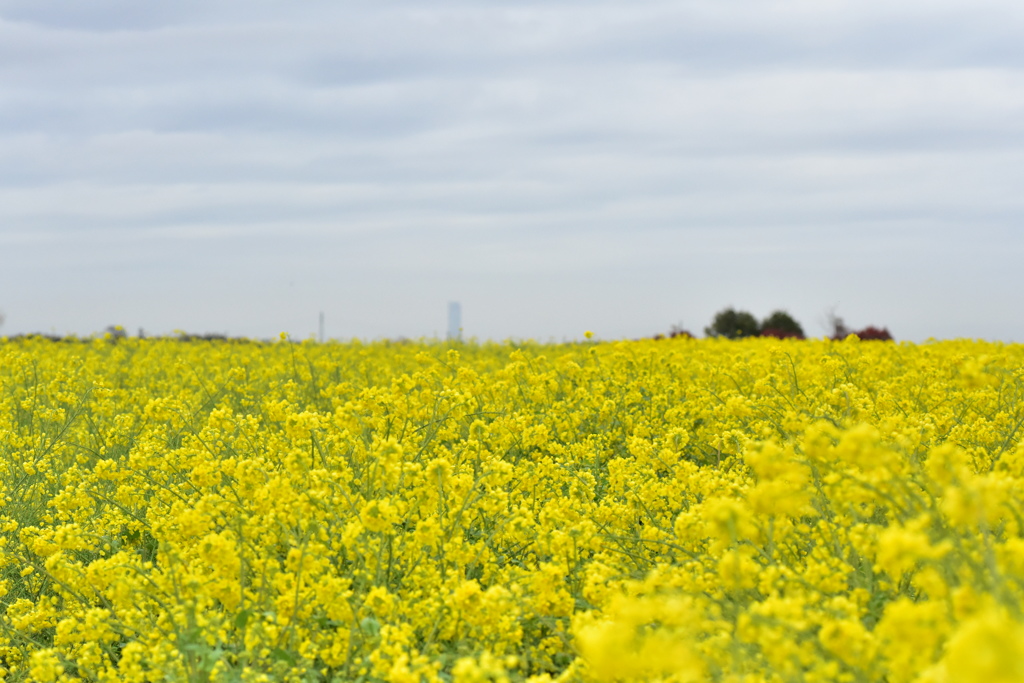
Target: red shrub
[(875, 333)]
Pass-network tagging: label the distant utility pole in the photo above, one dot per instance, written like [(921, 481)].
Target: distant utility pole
[(321, 327), (454, 321)]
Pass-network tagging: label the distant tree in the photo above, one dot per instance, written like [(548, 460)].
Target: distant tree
[(839, 328), (679, 331), (870, 333), (733, 324), (781, 324), (674, 332), (116, 332)]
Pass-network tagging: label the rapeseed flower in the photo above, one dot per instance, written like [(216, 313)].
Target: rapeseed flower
[(656, 510)]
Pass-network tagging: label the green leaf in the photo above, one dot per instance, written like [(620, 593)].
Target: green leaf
[(242, 618), (283, 656)]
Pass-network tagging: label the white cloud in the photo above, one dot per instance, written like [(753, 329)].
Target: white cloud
[(687, 155)]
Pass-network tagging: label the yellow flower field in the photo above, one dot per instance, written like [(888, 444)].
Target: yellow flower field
[(679, 510)]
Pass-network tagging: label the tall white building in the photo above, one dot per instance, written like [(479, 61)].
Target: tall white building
[(454, 320)]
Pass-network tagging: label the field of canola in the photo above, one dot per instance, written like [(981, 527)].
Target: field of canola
[(680, 510)]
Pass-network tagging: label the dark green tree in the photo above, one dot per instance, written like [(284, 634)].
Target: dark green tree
[(733, 324), (781, 324)]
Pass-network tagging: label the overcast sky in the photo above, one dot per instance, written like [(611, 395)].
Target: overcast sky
[(239, 166)]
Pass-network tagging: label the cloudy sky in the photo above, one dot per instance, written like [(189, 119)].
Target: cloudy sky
[(239, 166)]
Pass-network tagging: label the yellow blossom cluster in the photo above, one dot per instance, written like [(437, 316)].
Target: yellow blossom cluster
[(756, 511)]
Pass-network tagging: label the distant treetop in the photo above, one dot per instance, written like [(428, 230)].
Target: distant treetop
[(782, 325), (730, 323), (733, 324)]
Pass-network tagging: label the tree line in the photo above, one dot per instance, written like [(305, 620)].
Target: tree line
[(730, 323)]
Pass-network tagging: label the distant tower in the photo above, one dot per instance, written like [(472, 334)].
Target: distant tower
[(321, 327), (454, 321)]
